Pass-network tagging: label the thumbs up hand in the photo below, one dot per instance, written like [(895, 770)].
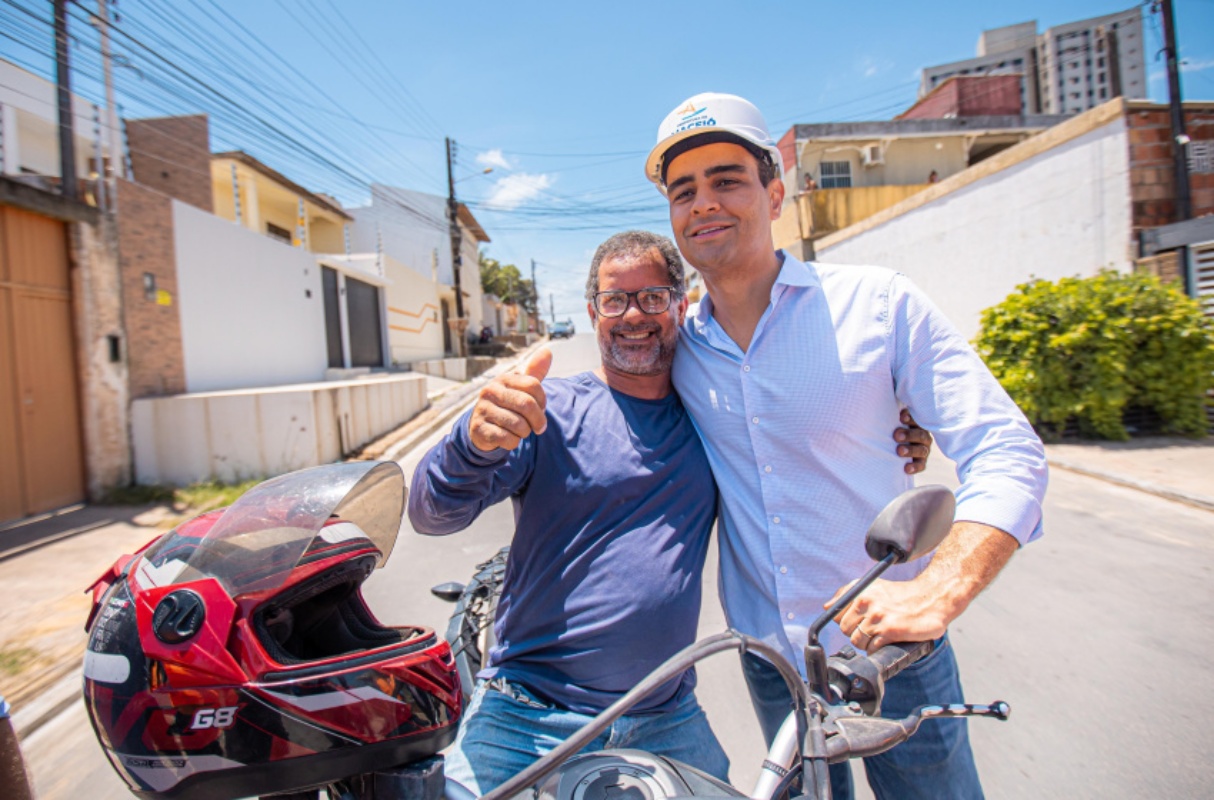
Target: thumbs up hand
[(511, 407)]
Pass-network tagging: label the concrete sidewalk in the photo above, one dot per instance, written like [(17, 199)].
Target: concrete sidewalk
[(43, 603), (1174, 468)]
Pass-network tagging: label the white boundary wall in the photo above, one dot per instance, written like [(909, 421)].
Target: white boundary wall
[(415, 327), (246, 315), (251, 433), (1062, 212)]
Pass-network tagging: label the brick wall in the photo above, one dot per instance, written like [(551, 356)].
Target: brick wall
[(1165, 266), (990, 94), (1152, 180), (969, 96), (153, 324), (173, 156)]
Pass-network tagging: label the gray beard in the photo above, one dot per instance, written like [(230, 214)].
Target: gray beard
[(656, 360)]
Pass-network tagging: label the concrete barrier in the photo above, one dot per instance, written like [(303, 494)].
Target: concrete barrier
[(455, 369), (252, 433)]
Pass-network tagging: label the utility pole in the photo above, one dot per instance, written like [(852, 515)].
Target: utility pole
[(552, 308), (67, 139), (113, 146), (453, 218), (535, 295), (1179, 138)]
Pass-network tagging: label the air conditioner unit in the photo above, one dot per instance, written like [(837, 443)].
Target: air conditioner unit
[(872, 155)]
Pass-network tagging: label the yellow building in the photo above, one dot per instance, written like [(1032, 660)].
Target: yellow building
[(261, 199)]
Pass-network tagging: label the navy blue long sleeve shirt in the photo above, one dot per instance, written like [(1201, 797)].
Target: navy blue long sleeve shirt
[(613, 505)]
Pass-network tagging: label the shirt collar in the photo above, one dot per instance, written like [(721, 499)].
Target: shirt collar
[(793, 272)]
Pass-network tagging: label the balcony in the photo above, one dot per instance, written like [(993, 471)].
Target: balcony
[(823, 211)]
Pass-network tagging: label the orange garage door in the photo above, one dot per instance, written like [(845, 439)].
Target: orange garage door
[(41, 458)]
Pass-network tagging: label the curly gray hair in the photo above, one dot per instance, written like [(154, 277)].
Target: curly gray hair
[(633, 244)]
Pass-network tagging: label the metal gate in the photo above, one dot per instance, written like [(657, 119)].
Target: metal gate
[(328, 281), (41, 454), (1201, 257), (366, 327)]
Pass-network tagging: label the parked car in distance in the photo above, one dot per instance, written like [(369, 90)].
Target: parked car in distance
[(561, 330)]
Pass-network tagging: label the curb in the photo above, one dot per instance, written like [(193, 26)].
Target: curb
[(50, 704), (1188, 498)]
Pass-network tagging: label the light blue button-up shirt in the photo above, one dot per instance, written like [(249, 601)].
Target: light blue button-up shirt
[(798, 431)]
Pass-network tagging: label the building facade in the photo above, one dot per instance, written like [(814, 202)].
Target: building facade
[(860, 168), (1077, 198), (1066, 69)]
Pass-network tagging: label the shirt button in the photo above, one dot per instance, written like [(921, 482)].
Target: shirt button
[(783, 570), (755, 420), (767, 468), (791, 615), (776, 520), (746, 368)]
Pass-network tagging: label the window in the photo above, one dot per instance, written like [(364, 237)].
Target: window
[(1103, 94), (1201, 156), (836, 174), (275, 232)]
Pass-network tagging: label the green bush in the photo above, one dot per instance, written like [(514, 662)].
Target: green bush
[(1085, 349)]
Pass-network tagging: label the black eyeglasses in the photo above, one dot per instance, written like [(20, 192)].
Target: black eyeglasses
[(651, 300)]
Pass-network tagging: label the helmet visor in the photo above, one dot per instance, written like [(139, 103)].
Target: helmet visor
[(261, 537)]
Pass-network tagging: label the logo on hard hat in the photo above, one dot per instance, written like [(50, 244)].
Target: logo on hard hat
[(694, 118)]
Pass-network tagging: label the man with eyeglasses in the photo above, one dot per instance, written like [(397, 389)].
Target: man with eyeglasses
[(614, 505)]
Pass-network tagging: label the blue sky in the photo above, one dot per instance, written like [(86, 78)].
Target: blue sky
[(562, 100)]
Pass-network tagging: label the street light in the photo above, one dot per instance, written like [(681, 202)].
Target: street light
[(485, 171)]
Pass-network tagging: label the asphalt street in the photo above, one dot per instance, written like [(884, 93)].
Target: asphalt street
[(1097, 635)]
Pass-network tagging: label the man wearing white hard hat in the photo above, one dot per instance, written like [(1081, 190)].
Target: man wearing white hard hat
[(791, 372)]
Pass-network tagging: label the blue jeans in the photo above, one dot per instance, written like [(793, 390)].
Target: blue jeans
[(935, 763), (504, 732)]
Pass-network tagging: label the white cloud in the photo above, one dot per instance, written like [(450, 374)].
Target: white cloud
[(1187, 66), (514, 190), (871, 67), (493, 158)]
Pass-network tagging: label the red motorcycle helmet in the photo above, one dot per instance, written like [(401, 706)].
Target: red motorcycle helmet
[(235, 655)]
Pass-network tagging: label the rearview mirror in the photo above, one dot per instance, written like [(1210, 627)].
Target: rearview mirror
[(449, 591), (912, 525)]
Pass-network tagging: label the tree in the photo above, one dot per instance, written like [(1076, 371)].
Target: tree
[(505, 281), (1083, 350)]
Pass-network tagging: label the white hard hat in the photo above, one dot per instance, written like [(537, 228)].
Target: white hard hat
[(707, 113)]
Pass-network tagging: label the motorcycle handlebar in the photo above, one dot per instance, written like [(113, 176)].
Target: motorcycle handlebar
[(861, 678), (893, 658)]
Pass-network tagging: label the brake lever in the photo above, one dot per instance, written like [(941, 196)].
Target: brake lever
[(860, 736), (998, 709)]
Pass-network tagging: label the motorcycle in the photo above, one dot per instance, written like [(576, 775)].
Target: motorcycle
[(235, 656), (836, 712)]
